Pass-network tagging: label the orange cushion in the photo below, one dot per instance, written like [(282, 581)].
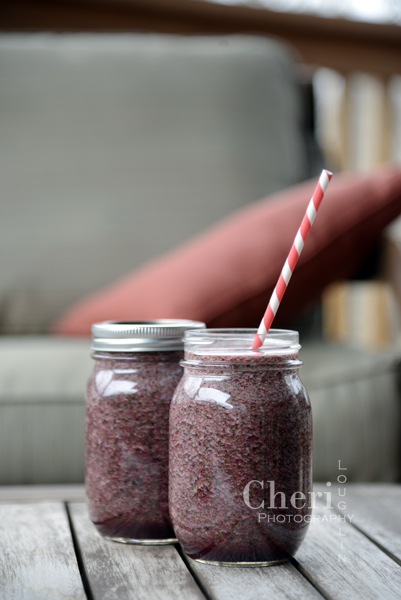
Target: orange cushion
[(225, 275)]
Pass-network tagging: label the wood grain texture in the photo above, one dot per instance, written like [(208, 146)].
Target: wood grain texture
[(376, 510), (345, 563), (119, 571), (37, 559), (281, 582)]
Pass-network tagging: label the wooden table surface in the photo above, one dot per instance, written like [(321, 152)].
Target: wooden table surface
[(49, 549)]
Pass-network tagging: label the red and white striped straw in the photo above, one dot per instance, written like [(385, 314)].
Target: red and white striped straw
[(292, 259)]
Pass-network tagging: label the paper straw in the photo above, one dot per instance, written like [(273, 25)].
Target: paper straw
[(292, 259)]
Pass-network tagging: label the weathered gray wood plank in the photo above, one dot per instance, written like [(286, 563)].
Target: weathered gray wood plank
[(376, 510), (281, 582), (119, 571), (34, 493), (37, 558), (345, 563)]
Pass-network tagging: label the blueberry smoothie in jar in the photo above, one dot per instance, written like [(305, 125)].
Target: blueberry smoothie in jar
[(240, 449), (137, 367)]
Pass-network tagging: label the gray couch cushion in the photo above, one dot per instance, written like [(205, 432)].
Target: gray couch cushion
[(42, 415), (117, 147), (356, 408)]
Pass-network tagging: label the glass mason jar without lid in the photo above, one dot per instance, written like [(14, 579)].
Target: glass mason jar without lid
[(240, 449), (127, 411)]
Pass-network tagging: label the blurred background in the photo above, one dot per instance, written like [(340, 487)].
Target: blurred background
[(89, 115), (128, 126)]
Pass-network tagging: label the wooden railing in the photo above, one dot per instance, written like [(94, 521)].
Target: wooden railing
[(340, 44)]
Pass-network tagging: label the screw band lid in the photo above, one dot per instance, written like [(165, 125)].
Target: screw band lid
[(141, 336)]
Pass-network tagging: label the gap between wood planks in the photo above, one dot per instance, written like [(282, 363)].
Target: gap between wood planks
[(370, 538), (78, 556), (310, 578), (186, 562)]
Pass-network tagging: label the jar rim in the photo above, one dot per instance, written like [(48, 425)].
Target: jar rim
[(212, 344)]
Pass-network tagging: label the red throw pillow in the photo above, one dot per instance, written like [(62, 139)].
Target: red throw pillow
[(225, 276)]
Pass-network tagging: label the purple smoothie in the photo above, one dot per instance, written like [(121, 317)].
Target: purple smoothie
[(127, 427), (239, 416)]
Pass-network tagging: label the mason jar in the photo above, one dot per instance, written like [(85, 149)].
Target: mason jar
[(137, 367), (240, 449)]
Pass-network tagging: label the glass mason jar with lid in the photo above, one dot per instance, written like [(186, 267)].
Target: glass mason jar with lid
[(137, 367), (240, 449)]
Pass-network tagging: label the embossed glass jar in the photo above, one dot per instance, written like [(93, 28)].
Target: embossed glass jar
[(240, 449), (127, 412)]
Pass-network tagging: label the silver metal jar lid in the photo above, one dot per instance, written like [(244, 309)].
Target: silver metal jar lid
[(141, 336)]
